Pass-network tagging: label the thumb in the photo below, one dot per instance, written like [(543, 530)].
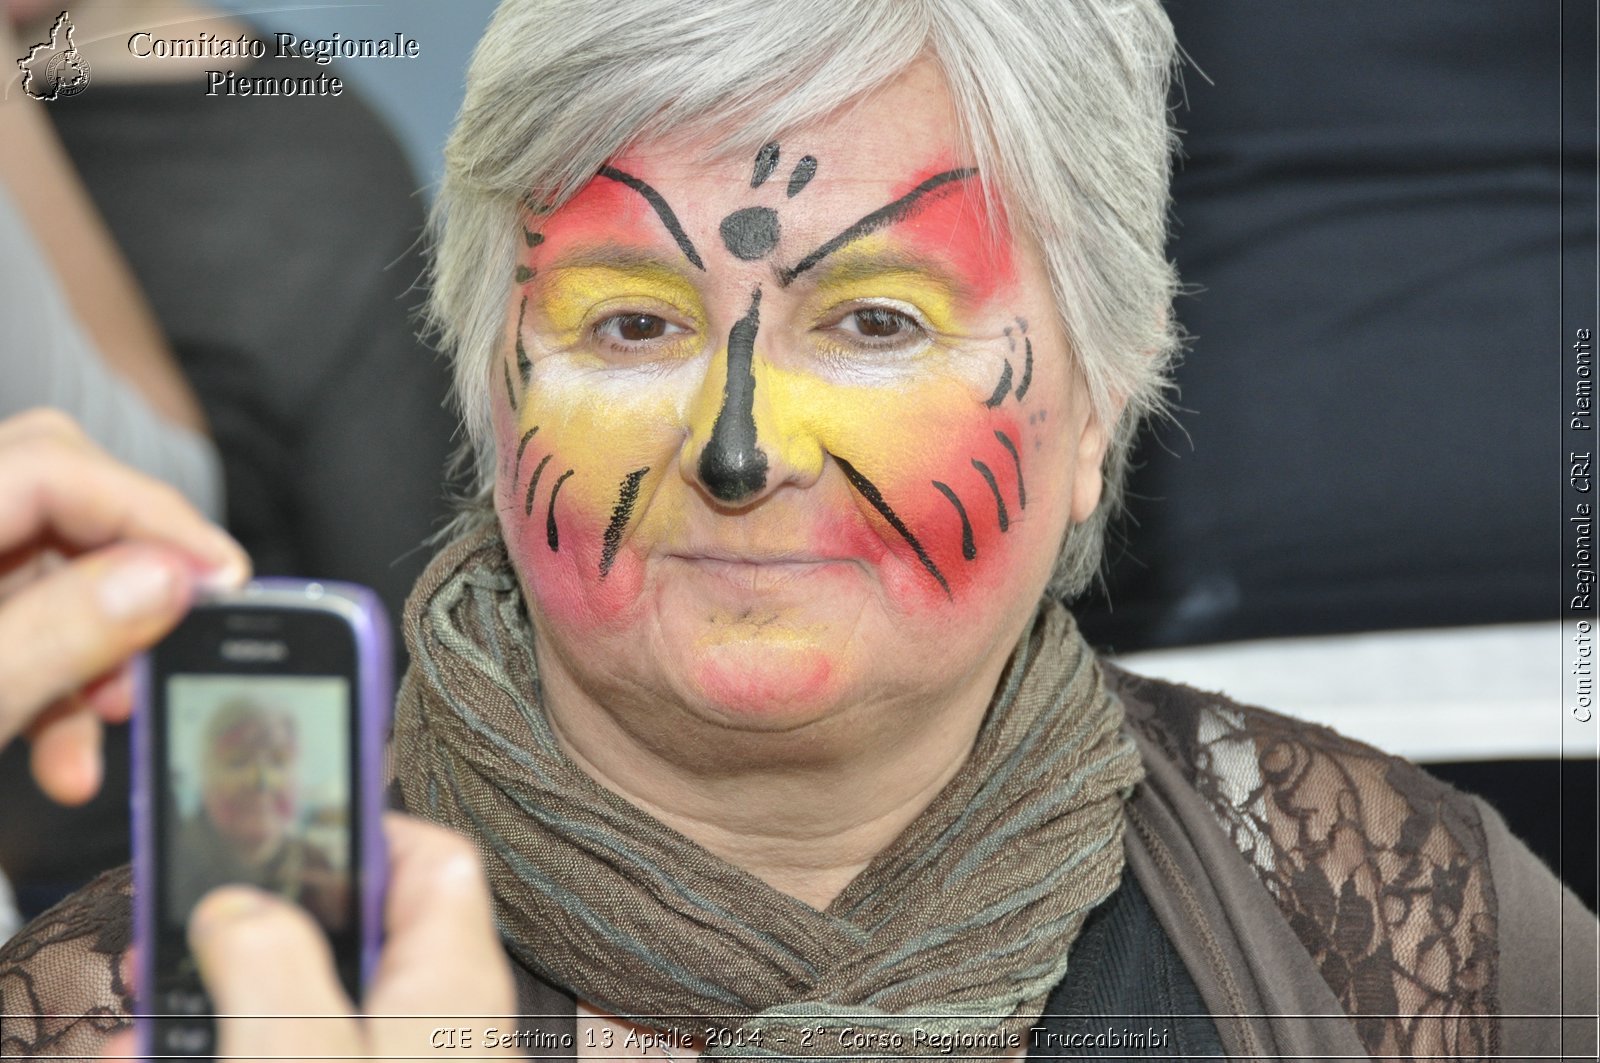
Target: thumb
[(262, 958)]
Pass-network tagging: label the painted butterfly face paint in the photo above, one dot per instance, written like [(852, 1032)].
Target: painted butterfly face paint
[(772, 428)]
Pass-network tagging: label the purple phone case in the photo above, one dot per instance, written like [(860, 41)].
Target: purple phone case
[(369, 622)]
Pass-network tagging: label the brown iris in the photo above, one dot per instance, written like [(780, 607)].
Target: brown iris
[(638, 327), (879, 323)]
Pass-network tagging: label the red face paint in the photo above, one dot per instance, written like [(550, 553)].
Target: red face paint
[(603, 213), (956, 226), (955, 548)]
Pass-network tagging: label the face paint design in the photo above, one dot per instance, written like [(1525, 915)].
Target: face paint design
[(943, 511), (959, 516)]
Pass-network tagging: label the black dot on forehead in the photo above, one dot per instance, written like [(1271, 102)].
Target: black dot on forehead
[(750, 233)]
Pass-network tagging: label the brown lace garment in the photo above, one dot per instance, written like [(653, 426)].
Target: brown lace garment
[(1381, 870), (62, 991)]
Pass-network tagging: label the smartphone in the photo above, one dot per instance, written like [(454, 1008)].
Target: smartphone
[(257, 758)]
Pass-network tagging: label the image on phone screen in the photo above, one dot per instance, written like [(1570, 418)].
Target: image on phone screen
[(257, 792)]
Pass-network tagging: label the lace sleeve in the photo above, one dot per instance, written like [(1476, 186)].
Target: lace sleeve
[(62, 991), (1381, 870)]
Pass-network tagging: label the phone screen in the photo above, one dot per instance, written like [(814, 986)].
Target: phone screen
[(257, 791), (253, 776)]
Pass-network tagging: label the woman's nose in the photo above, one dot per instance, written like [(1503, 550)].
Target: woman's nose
[(741, 445), (732, 465)]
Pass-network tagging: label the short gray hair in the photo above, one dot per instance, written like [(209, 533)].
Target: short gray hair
[(1063, 104)]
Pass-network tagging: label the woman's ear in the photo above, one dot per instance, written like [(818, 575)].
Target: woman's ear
[(1088, 478)]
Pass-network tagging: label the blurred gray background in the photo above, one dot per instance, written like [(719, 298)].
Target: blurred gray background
[(417, 97)]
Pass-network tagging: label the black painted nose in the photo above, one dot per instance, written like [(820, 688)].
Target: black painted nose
[(733, 475), (733, 467)]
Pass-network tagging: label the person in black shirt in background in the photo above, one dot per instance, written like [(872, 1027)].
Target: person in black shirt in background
[(1368, 209)]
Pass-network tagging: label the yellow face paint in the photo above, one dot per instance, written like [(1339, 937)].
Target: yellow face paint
[(569, 300), (873, 269)]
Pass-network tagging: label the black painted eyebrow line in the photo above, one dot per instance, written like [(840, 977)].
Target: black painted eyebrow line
[(662, 209), (883, 216)]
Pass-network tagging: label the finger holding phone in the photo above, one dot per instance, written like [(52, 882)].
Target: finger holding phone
[(262, 957), (97, 562)]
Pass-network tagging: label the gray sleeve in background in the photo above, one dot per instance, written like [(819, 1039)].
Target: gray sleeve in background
[(46, 359)]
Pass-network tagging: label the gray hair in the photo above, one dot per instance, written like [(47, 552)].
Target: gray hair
[(1063, 104)]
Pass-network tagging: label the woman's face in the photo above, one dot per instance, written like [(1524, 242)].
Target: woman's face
[(783, 434), (249, 781)]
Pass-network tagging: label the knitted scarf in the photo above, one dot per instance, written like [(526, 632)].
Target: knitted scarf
[(949, 941)]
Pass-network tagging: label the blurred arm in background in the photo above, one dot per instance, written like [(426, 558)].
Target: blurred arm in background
[(78, 333)]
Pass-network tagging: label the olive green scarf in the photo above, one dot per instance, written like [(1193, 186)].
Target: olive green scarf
[(952, 937)]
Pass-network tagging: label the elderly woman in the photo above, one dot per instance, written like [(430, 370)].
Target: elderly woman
[(799, 349)]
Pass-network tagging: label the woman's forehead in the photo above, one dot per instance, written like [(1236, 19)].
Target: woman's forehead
[(882, 183), (900, 123)]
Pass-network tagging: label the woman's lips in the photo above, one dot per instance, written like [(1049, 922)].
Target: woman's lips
[(761, 572)]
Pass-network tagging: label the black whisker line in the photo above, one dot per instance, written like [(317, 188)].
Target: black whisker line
[(533, 485), (1027, 369), (661, 207), (999, 503), (869, 491), (878, 219), (1016, 459), (551, 534), (627, 496), (522, 444), (1002, 389), (511, 392), (968, 549), (523, 364)]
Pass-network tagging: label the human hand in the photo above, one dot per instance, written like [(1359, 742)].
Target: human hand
[(97, 562), (261, 957)]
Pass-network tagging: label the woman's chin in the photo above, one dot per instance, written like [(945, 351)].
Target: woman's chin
[(773, 680)]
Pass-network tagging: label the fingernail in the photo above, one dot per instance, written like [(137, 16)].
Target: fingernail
[(229, 576), (136, 588)]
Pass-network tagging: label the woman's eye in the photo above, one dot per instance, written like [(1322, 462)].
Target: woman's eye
[(636, 328), (880, 323)]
